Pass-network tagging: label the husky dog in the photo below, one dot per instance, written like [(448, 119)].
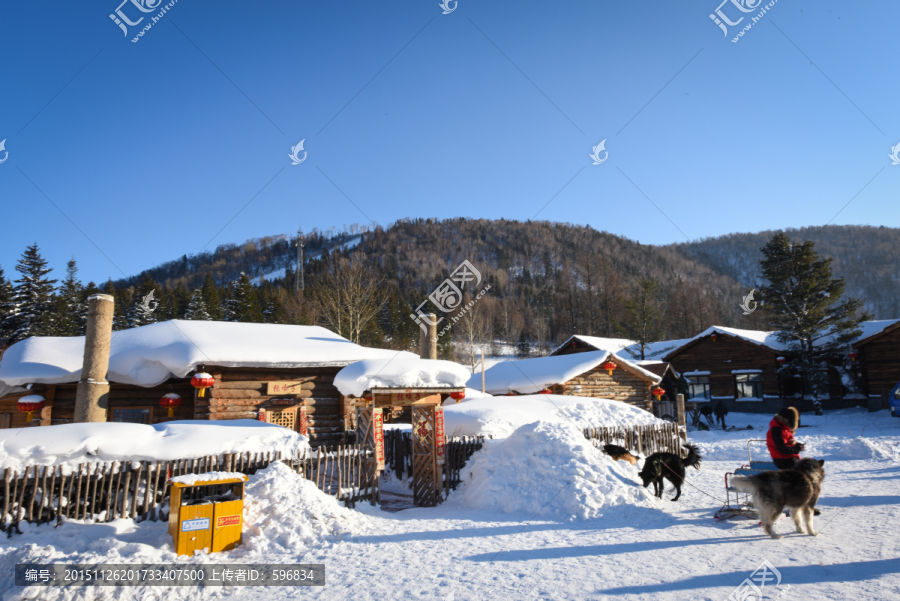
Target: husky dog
[(798, 488), (668, 466), (619, 453)]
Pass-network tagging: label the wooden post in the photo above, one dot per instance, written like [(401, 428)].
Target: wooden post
[(92, 395), (482, 371), (682, 426), (428, 341)]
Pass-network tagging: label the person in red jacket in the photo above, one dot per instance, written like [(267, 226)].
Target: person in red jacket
[(785, 451), (783, 448)]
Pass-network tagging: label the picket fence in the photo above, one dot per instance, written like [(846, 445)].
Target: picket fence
[(645, 440)]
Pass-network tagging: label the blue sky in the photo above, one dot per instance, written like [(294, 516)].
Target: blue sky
[(125, 155)]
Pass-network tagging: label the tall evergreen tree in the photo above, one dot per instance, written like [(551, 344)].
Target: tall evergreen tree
[(71, 308), (32, 304), (6, 296), (242, 303), (806, 308), (119, 321), (523, 347), (196, 309), (144, 302), (643, 319), (213, 299)]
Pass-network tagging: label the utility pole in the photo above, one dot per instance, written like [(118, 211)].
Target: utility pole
[(298, 279)]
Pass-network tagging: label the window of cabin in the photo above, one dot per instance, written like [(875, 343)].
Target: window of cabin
[(133, 415), (748, 386), (698, 389)]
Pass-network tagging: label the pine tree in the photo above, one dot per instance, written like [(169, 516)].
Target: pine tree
[(805, 306), (523, 347), (6, 296), (196, 309), (144, 302), (213, 299), (71, 308), (242, 303), (31, 307), (119, 321), (643, 320)]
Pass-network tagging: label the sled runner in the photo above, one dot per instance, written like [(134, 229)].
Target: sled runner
[(738, 503)]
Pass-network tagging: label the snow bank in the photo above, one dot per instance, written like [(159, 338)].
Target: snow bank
[(283, 509), (528, 376), (500, 416), (401, 370), (191, 479), (547, 470), (471, 394), (150, 355), (71, 444)]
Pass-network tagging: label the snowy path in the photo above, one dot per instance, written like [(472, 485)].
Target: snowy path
[(667, 551)]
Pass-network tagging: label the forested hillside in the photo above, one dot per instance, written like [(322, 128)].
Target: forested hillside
[(865, 256), (547, 282)]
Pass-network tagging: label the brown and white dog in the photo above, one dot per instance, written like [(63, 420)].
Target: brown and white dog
[(798, 488), (619, 453)]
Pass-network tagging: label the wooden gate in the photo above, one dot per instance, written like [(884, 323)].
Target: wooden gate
[(368, 432), (425, 470)]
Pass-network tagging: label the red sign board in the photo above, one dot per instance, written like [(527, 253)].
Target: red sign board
[(262, 415), (378, 426), (228, 520), (304, 424), (439, 441)]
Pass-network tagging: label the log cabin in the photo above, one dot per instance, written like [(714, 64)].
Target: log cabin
[(260, 371), (878, 359), (575, 374)]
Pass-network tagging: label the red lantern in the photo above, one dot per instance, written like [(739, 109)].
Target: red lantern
[(714, 336), (510, 393), (458, 396), (780, 361), (853, 354), (30, 404), (170, 401), (545, 391), (657, 392), (202, 381), (609, 366)]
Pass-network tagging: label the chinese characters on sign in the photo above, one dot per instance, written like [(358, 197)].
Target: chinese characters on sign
[(378, 427), (439, 434), (287, 387)]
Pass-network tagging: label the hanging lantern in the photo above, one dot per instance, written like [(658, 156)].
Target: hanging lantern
[(609, 366), (170, 401), (657, 392), (510, 393), (714, 336), (202, 381), (853, 354), (780, 361), (545, 391), (458, 396), (30, 404)]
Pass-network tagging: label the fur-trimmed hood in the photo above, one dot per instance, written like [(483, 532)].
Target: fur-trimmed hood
[(788, 416)]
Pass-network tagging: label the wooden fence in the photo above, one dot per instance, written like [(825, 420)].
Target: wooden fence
[(645, 440), (458, 449)]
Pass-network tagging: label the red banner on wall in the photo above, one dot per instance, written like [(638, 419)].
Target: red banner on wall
[(378, 427), (439, 441), (304, 424)]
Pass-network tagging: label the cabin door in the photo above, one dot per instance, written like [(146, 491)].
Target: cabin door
[(426, 473)]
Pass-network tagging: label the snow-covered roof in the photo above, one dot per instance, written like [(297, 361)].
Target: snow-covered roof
[(873, 328), (653, 350), (151, 354), (500, 416), (601, 344), (71, 444), (401, 370), (758, 337), (532, 375)]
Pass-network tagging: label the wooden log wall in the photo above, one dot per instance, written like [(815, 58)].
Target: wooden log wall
[(622, 385), (880, 359), (238, 393), (644, 440)]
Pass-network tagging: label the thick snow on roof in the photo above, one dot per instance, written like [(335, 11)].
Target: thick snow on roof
[(71, 444), (760, 337), (150, 355), (533, 375), (500, 416), (401, 370), (654, 350), (601, 344), (870, 328)]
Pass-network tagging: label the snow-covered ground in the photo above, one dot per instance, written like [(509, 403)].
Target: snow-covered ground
[(628, 546)]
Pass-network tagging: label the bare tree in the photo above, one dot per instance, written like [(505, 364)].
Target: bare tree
[(347, 297)]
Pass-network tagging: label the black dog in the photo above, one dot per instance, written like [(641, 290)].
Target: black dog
[(660, 466), (720, 412), (708, 414)]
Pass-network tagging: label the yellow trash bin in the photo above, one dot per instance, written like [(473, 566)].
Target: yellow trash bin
[(206, 512)]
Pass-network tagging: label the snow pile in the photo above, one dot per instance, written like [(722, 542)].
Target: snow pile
[(401, 370), (151, 354), (285, 512), (532, 375), (191, 479), (498, 417), (471, 394), (547, 470), (71, 444)]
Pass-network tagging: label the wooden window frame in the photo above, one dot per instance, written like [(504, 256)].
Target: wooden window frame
[(111, 412), (695, 399), (756, 382)]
